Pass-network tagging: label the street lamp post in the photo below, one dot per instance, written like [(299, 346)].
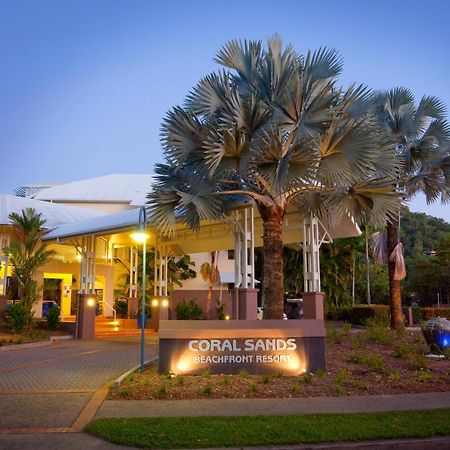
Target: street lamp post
[(141, 236)]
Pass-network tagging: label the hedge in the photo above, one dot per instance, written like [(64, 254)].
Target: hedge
[(358, 315)]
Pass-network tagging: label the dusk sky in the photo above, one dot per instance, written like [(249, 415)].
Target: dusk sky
[(84, 84)]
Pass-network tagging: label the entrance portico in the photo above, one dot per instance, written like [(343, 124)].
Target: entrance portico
[(241, 231)]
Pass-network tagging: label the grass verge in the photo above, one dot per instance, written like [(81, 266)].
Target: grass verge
[(200, 432)]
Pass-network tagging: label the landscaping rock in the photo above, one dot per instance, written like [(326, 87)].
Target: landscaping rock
[(437, 334)]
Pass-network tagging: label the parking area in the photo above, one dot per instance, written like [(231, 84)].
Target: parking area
[(49, 386)]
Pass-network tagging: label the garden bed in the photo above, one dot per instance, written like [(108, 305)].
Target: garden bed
[(370, 362), (8, 337)]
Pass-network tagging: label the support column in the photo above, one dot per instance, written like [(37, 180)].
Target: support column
[(311, 261), (245, 300), (85, 328), (235, 304), (133, 301), (248, 302), (160, 284), (313, 305), (86, 298), (4, 260)]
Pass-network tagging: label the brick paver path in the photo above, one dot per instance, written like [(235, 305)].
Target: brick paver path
[(49, 386)]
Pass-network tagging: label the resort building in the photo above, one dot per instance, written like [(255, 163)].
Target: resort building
[(90, 225)]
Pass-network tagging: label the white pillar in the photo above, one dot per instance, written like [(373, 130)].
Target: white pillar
[(311, 257), (4, 259), (244, 248), (134, 263)]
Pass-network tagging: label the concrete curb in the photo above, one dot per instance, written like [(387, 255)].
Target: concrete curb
[(430, 443), (24, 346), (118, 381), (50, 341)]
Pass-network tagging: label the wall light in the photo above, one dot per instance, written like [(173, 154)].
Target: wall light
[(155, 302), (227, 317), (90, 302), (165, 303)]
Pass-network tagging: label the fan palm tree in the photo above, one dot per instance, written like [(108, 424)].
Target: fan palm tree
[(274, 127), (27, 254), (422, 138)]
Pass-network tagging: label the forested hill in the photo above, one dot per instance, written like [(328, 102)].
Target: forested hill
[(421, 233)]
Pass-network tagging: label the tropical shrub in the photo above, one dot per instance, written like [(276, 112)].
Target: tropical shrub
[(17, 316), (54, 318), (220, 310), (189, 310)]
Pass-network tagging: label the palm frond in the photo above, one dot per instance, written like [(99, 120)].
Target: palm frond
[(182, 133), (397, 257), (323, 63), (242, 56), (378, 247), (210, 94), (430, 106)]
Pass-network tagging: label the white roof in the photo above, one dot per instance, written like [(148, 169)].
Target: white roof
[(106, 224), (120, 188), (52, 213)]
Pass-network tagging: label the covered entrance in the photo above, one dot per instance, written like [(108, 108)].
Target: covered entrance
[(103, 245)]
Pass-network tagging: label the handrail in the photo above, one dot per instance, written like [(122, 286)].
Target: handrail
[(113, 310)]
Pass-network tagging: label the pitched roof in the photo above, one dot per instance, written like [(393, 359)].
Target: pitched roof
[(120, 188), (52, 213), (106, 224)]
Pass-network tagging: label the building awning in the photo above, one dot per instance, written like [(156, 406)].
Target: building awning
[(97, 226)]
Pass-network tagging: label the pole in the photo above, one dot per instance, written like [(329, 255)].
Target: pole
[(144, 275)]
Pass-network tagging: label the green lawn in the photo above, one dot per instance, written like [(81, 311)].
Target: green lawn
[(198, 432)]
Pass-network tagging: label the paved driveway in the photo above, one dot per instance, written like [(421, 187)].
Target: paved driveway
[(48, 387)]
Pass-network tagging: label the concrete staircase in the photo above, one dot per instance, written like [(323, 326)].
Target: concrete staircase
[(106, 327)]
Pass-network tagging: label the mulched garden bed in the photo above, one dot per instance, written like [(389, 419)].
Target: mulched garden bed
[(369, 362), (8, 337)]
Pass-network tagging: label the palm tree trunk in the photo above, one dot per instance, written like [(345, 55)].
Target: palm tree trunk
[(394, 285), (273, 261)]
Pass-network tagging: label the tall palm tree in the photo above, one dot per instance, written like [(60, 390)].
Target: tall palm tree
[(273, 126), (422, 138), (27, 254)]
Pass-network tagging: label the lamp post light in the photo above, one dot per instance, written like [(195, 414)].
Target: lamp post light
[(141, 236)]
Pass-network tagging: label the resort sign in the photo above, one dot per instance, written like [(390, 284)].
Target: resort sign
[(258, 347)]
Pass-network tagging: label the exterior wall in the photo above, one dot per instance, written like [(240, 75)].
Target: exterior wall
[(200, 296), (197, 288), (104, 280)]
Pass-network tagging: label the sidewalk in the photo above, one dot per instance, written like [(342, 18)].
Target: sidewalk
[(272, 407)]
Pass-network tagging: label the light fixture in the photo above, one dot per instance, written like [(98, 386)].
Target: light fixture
[(139, 236), (227, 317), (155, 302), (90, 302), (165, 303)]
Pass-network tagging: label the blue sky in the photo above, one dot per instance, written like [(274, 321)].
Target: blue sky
[(84, 84)]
